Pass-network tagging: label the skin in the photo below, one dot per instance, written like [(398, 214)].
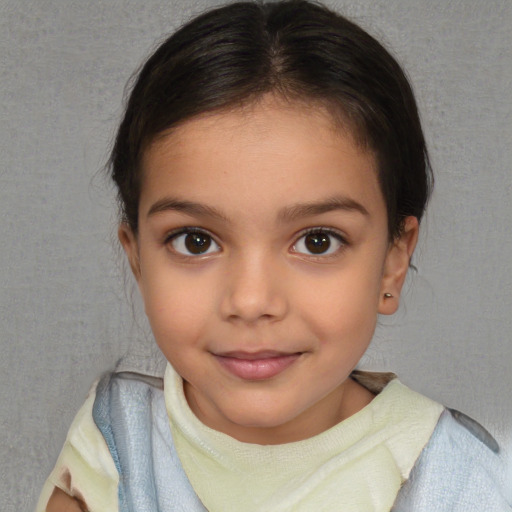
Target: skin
[(247, 179), (248, 174), (61, 502)]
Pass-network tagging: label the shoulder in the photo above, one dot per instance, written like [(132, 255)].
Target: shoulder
[(466, 430), (88, 468), (124, 405), (62, 502), (460, 469), (130, 412), (124, 408), (84, 468), (121, 389)]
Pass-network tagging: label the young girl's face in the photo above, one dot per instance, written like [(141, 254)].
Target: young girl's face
[(263, 257)]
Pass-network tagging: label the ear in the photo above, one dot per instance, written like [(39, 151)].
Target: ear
[(396, 265), (130, 245)]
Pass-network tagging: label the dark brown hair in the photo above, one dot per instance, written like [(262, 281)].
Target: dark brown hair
[(233, 55)]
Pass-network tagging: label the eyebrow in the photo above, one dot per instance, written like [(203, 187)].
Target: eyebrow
[(189, 207), (297, 211), (287, 214)]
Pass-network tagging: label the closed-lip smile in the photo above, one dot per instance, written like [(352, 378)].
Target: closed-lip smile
[(260, 365)]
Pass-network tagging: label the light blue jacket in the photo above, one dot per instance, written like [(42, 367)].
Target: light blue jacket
[(460, 469)]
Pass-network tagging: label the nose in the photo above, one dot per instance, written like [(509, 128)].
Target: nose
[(255, 290)]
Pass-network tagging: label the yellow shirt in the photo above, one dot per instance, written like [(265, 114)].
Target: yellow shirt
[(85, 467), (358, 465)]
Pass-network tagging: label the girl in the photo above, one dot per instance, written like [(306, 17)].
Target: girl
[(272, 174)]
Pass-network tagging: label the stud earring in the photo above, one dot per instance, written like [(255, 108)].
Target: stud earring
[(388, 296)]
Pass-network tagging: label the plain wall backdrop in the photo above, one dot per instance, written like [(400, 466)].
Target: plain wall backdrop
[(66, 313)]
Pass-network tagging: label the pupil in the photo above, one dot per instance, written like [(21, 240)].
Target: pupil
[(197, 243), (317, 243)]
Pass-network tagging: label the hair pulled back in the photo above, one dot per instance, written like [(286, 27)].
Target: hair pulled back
[(233, 55)]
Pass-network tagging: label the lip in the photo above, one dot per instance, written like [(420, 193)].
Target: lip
[(256, 365)]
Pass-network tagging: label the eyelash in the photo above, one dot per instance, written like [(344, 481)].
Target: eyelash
[(329, 232), (343, 243), (174, 235)]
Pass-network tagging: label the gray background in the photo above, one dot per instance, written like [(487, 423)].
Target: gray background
[(66, 312)]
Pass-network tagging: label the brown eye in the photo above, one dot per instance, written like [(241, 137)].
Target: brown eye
[(320, 242), (193, 243), (197, 243), (317, 243)]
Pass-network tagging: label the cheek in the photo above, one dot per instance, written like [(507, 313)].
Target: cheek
[(347, 324), (343, 307), (178, 307)]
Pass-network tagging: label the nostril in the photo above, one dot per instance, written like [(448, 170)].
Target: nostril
[(253, 291), (252, 308)]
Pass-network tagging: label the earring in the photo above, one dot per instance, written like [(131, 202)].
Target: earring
[(388, 295)]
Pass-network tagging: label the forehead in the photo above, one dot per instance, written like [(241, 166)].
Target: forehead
[(271, 150)]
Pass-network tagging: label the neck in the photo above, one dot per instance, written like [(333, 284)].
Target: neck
[(340, 404)]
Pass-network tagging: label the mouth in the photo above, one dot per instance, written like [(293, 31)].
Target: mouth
[(256, 365)]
